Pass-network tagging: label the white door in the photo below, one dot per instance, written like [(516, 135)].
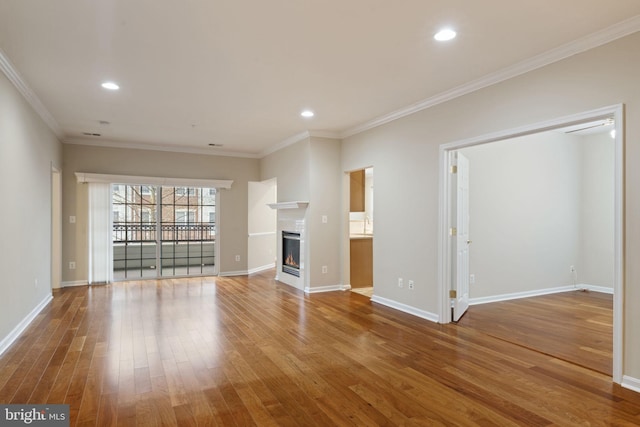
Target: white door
[(460, 236)]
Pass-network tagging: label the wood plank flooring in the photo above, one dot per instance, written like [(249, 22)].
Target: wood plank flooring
[(250, 351), (573, 326)]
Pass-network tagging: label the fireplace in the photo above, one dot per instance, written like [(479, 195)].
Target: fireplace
[(291, 253)]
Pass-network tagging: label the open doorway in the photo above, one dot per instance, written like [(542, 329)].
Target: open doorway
[(262, 226), (450, 281), (361, 231)]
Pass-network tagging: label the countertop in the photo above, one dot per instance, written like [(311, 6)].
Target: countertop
[(360, 236)]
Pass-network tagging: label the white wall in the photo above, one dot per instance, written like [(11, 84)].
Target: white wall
[(405, 155), (28, 150), (530, 208)]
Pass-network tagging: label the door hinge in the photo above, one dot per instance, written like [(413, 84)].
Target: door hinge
[(453, 231), (453, 169), (453, 294)]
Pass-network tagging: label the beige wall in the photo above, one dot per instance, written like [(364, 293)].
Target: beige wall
[(232, 227), (261, 244), (596, 265), (326, 186), (290, 168), (28, 150), (309, 171), (405, 156)]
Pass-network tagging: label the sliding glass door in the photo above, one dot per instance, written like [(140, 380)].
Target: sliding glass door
[(163, 231), (188, 231)]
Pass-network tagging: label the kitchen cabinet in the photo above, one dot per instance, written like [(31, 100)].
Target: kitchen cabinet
[(357, 191), (361, 262)]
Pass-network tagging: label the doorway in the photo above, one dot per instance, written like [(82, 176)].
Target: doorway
[(447, 204), (361, 231)]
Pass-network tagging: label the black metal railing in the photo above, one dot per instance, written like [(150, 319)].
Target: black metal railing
[(173, 232)]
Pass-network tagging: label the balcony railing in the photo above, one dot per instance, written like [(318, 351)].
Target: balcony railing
[(172, 232)]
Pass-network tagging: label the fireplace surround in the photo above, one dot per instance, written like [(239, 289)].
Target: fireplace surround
[(292, 229)]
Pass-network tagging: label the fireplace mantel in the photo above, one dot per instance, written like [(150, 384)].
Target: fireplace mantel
[(288, 205)]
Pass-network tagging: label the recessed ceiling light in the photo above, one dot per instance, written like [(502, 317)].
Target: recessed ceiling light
[(307, 113), (110, 86), (445, 35)]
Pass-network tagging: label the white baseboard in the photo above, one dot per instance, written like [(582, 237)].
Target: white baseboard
[(262, 268), (631, 383), (539, 292), (406, 308), (19, 329), (74, 283), (233, 273), (332, 288), (594, 288)]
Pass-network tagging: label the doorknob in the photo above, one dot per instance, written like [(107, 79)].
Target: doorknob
[(469, 242)]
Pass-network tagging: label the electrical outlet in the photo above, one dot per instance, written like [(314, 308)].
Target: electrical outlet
[(72, 265), (72, 219), (572, 269), (400, 282), (237, 258), (411, 284), (325, 219), (324, 269), (36, 283), (472, 279)]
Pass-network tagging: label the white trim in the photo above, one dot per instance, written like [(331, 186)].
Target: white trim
[(85, 177), (262, 233), (319, 289), (288, 205), (262, 268), (539, 292), (519, 295), (294, 139), (594, 288), (210, 151), (583, 44), (630, 383), (71, 284), (233, 273), (29, 95), (20, 327), (444, 251), (405, 308)]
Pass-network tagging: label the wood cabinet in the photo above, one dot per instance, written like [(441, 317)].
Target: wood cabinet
[(357, 191), (361, 263)]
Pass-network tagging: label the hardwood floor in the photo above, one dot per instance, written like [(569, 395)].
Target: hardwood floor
[(573, 326), (249, 351)]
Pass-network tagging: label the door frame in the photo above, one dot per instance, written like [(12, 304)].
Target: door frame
[(445, 205)]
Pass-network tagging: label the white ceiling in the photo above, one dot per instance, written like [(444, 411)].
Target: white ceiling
[(239, 72)]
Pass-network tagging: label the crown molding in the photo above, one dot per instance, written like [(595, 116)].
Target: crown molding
[(155, 147), (297, 138), (599, 38), (14, 77), (285, 143)]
